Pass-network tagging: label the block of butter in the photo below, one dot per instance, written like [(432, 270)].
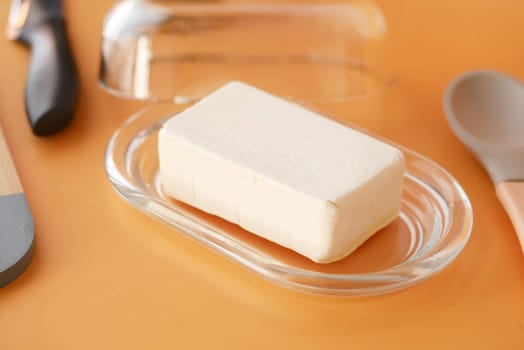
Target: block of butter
[(281, 171)]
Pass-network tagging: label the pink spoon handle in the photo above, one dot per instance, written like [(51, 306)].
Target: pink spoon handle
[(511, 194)]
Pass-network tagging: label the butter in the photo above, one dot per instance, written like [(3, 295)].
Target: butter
[(281, 171)]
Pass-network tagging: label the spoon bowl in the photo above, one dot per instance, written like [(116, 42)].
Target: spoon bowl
[(489, 107)]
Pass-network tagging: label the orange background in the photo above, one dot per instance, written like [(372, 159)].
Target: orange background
[(106, 276)]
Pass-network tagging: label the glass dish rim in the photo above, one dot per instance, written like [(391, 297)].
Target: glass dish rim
[(398, 277)]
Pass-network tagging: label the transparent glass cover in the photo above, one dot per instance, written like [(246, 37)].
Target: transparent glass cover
[(180, 51)]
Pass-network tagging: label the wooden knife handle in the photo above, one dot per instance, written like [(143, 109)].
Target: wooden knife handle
[(511, 194), (9, 182)]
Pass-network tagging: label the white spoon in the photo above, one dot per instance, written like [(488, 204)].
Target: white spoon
[(486, 111)]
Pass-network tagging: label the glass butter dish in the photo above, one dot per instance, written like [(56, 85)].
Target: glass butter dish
[(433, 226), (326, 57)]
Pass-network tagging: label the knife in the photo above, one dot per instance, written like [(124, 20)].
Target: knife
[(17, 231), (52, 83)]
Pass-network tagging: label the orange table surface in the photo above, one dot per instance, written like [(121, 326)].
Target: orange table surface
[(105, 276)]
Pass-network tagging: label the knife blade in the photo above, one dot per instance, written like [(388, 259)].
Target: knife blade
[(17, 231), (52, 81)]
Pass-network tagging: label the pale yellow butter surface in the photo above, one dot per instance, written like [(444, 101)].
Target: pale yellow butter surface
[(280, 171)]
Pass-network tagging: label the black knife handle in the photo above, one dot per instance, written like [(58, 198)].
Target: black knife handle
[(52, 82)]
